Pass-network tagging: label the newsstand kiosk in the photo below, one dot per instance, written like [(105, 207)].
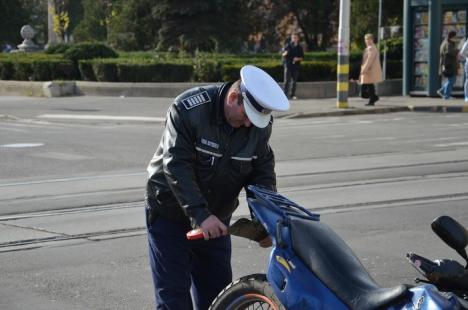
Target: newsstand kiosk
[(426, 25)]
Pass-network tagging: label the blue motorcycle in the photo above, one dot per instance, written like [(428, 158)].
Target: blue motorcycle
[(311, 267)]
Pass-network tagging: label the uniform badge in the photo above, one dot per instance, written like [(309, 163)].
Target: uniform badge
[(196, 100), (209, 143)]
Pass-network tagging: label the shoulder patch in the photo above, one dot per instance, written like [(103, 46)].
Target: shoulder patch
[(196, 100)]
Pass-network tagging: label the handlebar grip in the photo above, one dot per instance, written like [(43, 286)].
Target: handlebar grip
[(195, 234)]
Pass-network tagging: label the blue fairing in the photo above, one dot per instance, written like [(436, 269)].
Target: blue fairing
[(298, 288), (427, 297), (295, 285)]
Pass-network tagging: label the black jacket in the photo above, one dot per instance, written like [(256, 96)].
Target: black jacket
[(293, 51), (201, 163)]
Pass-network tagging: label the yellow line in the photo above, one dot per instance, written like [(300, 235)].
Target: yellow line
[(343, 69), (342, 86)]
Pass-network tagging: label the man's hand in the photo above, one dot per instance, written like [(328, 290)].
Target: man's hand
[(213, 228), (266, 242)]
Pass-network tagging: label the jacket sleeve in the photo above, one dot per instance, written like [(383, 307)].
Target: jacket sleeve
[(464, 51), (263, 167), (301, 52), (178, 165)]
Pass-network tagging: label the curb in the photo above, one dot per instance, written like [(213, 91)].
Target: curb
[(439, 109), (351, 111), (50, 89)]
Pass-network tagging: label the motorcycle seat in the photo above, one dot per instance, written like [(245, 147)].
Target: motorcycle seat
[(335, 264)]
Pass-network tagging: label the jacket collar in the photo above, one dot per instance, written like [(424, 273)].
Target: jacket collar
[(219, 106)]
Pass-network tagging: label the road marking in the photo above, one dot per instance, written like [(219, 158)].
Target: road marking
[(12, 129), (452, 144), (21, 145), (102, 117), (73, 179), (373, 139)]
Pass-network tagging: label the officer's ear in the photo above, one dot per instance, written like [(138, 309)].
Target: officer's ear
[(234, 97)]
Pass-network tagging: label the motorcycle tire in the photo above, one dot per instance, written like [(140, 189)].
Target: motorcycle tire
[(249, 292)]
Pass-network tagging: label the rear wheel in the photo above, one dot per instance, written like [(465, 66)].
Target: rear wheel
[(249, 292)]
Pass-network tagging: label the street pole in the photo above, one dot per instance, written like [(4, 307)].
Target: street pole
[(343, 56), (52, 36), (379, 34)]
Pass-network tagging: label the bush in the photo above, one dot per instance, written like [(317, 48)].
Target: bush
[(22, 71), (6, 70), (232, 72), (58, 48), (85, 68), (40, 70), (394, 48), (309, 71), (105, 71), (62, 70), (89, 51), (125, 70), (206, 69)]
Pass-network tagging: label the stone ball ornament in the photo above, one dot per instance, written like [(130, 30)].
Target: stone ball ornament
[(27, 32)]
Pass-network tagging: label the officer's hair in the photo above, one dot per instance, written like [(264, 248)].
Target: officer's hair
[(369, 36), (235, 87)]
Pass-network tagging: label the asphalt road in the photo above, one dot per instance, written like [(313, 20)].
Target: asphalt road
[(70, 194)]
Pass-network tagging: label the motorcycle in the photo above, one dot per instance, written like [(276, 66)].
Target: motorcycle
[(446, 274), (311, 267)]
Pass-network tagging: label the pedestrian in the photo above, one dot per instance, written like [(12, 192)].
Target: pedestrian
[(371, 72), (448, 65), (215, 142), (292, 54), (464, 58)]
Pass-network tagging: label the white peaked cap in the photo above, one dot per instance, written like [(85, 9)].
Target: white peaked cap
[(261, 95)]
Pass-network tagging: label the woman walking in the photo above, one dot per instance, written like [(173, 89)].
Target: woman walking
[(371, 71)]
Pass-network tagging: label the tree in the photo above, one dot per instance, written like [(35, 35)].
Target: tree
[(97, 15), (204, 25), (317, 20), (364, 18), (14, 15), (135, 26)]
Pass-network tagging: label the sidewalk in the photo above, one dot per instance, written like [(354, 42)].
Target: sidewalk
[(327, 107)]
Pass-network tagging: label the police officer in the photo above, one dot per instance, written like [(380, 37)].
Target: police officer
[(208, 152)]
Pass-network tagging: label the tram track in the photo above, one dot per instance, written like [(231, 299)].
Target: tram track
[(24, 220)]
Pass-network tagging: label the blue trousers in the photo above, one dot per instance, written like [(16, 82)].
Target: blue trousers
[(466, 80), (448, 86), (184, 270)]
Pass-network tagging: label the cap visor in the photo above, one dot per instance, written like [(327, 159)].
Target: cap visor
[(259, 120)]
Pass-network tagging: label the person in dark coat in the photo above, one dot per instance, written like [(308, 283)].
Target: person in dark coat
[(293, 54), (215, 142), (448, 65)]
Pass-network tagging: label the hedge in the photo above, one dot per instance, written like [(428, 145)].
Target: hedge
[(309, 71), (167, 67), (37, 70), (130, 71), (89, 51)]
